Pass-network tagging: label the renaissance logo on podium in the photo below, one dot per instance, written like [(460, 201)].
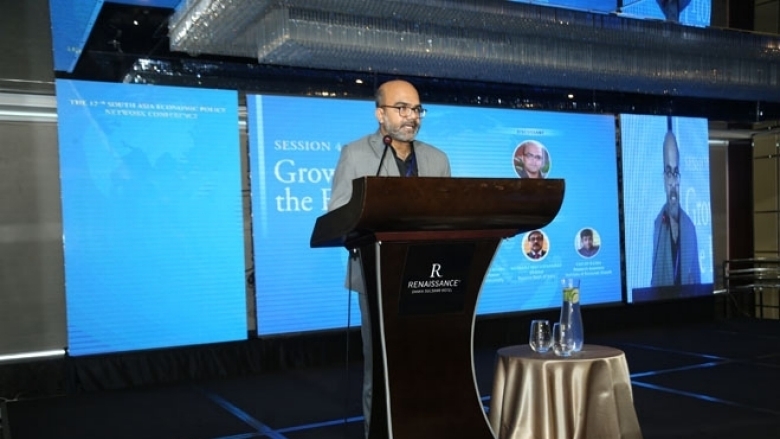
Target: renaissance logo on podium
[(435, 278)]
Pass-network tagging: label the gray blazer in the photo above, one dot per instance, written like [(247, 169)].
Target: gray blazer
[(360, 159), (687, 263)]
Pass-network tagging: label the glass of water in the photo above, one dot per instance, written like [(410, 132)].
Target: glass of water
[(563, 340), (540, 338)]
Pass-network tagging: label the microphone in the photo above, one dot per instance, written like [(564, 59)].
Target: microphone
[(387, 140)]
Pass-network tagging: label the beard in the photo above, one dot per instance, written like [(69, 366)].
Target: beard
[(673, 205), (533, 169), (406, 132)]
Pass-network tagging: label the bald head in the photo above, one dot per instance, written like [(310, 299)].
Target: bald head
[(390, 92), (671, 151), (392, 97), (672, 175), (534, 158)]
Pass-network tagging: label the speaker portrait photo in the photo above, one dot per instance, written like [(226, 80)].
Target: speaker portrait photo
[(535, 245), (588, 242), (531, 160)]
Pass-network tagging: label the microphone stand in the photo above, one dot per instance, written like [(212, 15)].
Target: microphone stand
[(387, 140)]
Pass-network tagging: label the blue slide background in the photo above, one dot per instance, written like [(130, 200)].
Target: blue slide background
[(698, 13), (586, 5), (152, 216), (644, 195), (295, 144), (71, 23)]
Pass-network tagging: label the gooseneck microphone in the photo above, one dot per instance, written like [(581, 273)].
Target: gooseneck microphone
[(387, 140)]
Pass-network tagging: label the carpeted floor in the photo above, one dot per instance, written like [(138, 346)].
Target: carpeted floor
[(718, 381)]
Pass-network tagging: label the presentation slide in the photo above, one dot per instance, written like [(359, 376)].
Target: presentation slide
[(666, 199), (687, 12), (71, 23), (585, 5), (152, 216), (294, 146)]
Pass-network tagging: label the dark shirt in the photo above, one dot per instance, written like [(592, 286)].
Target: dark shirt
[(539, 255), (589, 252), (407, 167)]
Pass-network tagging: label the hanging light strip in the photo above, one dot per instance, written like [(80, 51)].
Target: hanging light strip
[(36, 355)]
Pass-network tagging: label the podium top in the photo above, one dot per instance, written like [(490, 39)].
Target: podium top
[(393, 204)]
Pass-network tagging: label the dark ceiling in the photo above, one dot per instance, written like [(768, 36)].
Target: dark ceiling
[(123, 34)]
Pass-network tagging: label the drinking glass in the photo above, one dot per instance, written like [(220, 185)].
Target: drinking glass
[(540, 338), (563, 341)]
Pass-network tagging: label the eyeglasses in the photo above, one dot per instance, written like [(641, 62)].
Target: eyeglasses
[(672, 174), (405, 111), (528, 155)]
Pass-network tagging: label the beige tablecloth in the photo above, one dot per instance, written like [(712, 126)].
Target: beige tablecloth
[(540, 396)]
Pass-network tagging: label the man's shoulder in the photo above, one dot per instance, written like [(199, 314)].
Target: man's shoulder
[(684, 216), (361, 147), (419, 146), (431, 154), (687, 223), (362, 141), (589, 252)]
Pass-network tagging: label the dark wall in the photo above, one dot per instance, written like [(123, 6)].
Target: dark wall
[(26, 61), (740, 190), (741, 15), (32, 300)]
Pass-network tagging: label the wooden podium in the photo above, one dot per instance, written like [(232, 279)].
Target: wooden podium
[(425, 244)]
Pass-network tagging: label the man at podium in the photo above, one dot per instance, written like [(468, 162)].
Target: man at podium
[(675, 247), (391, 151)]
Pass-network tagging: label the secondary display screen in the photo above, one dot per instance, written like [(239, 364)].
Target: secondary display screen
[(294, 147), (152, 216), (666, 198), (586, 5), (688, 12)]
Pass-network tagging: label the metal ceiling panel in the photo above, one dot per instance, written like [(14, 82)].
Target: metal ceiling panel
[(494, 41)]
